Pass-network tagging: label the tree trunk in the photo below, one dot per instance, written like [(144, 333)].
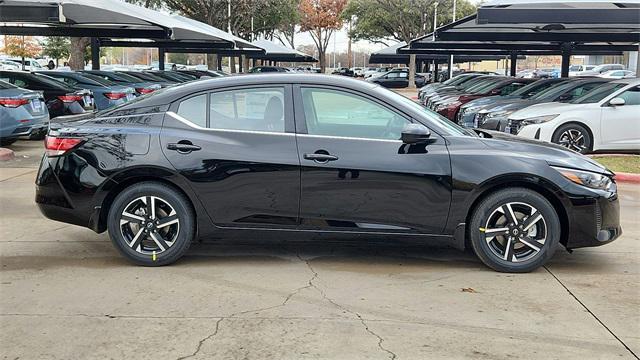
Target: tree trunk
[(212, 61), (245, 63), (232, 65), (412, 71), (322, 57), (76, 57)]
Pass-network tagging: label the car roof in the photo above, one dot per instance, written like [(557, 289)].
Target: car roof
[(627, 81), (173, 93)]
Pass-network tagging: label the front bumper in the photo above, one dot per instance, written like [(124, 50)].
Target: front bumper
[(593, 220)]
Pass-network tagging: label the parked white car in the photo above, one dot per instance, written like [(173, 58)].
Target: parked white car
[(577, 70), (9, 65), (29, 63), (600, 69), (357, 71), (604, 119), (618, 74)]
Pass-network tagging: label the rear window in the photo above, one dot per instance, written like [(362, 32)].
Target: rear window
[(6, 85)]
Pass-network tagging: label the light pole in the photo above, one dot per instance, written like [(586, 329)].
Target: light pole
[(451, 56), (433, 37)]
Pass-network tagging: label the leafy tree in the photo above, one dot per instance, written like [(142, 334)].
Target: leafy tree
[(321, 18), (56, 47), (21, 46), (382, 21)]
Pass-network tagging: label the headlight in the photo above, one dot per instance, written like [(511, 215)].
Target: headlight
[(502, 114), (587, 178), (539, 119)]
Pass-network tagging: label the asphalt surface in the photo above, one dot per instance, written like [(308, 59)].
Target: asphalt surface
[(65, 293)]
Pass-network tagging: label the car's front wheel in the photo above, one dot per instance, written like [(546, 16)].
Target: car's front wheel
[(573, 136), (514, 230), (151, 224)]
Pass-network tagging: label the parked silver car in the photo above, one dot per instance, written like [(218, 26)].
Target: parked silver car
[(22, 112)]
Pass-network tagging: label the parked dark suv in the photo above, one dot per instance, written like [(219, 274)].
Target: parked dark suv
[(320, 154)]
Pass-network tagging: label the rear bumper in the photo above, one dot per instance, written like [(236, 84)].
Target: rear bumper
[(59, 198), (594, 221)]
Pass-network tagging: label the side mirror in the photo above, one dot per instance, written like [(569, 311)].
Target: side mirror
[(415, 134), (496, 92), (617, 101)]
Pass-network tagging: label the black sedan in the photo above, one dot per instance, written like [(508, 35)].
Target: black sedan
[(60, 98), (320, 154)]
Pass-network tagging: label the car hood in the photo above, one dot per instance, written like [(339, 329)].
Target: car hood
[(542, 109), (553, 154)]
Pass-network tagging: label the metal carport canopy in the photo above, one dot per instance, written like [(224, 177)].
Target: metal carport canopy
[(111, 19), (582, 33), (393, 55), (279, 52)]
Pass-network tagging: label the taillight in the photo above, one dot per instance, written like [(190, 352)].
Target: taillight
[(145, 90), (56, 146), (115, 96), (12, 102), (70, 98)]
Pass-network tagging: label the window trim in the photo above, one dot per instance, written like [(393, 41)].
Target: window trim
[(289, 126), (301, 121)]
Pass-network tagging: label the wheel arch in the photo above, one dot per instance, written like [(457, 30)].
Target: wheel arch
[(538, 184), (125, 179)]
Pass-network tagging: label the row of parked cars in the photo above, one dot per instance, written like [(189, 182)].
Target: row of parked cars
[(28, 100), (584, 114)]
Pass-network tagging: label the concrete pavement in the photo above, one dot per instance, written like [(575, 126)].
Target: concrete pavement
[(65, 293)]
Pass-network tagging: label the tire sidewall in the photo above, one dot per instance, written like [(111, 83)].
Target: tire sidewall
[(179, 203), (583, 130), (489, 204)]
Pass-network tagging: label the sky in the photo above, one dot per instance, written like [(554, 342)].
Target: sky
[(341, 39)]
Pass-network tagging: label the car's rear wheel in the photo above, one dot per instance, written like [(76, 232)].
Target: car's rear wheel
[(151, 224), (514, 230), (573, 136)]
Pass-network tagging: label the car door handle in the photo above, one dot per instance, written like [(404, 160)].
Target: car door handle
[(184, 147), (320, 158)]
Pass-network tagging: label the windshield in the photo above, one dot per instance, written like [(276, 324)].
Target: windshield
[(443, 122), (485, 86), (98, 79), (554, 91), (534, 88), (598, 94)]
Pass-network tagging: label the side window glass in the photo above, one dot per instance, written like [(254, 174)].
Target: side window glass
[(392, 75), (260, 109), (342, 114), (631, 96), (404, 75), (194, 109)]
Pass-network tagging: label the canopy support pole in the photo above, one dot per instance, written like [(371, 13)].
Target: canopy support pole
[(566, 59), (161, 59), (219, 61), (95, 53), (513, 63), (435, 71)]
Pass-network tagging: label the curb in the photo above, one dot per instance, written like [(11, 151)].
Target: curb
[(6, 154), (627, 177)]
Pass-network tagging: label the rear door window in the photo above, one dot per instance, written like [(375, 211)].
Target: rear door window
[(194, 109), (257, 109)]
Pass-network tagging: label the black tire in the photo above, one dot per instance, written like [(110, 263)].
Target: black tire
[(573, 136), (487, 247), (182, 232), (38, 135), (7, 141)]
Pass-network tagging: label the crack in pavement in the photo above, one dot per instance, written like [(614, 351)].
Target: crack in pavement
[(201, 342), (592, 314), (392, 355), (217, 329)]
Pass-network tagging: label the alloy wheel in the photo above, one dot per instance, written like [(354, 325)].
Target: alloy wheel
[(573, 139), (515, 232), (149, 225)]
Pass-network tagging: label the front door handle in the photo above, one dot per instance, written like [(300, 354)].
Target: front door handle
[(320, 158), (183, 147)]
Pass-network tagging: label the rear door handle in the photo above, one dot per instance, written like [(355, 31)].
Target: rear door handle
[(320, 158), (184, 147)]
